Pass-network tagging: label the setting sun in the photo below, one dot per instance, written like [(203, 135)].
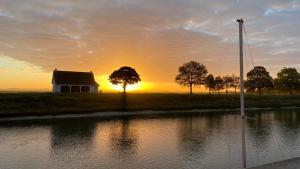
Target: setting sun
[(128, 88), (107, 86)]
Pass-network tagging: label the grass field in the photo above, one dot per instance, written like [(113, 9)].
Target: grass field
[(16, 104)]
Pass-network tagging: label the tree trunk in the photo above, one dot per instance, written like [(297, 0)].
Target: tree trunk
[(234, 89), (226, 90), (124, 87), (259, 91), (191, 88), (291, 91)]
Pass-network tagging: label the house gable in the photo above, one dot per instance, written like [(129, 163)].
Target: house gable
[(73, 78)]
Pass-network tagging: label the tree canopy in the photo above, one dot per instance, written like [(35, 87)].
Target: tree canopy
[(236, 82), (125, 76), (228, 82), (191, 74), (288, 79), (258, 78), (210, 83), (219, 84)]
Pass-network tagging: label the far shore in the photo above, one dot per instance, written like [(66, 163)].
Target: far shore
[(141, 113), (50, 105)]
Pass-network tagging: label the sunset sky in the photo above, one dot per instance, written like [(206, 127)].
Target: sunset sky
[(153, 36)]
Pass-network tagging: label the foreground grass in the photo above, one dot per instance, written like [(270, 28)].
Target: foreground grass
[(13, 104)]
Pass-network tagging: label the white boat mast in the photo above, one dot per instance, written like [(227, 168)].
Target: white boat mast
[(241, 22)]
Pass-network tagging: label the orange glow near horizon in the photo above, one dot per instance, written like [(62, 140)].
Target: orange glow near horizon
[(128, 87), (34, 78), (105, 85)]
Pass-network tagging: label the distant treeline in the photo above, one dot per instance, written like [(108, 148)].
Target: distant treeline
[(258, 79)]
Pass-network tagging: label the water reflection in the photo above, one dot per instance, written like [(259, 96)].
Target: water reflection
[(259, 129), (192, 136), (291, 126), (70, 134), (205, 139), (266, 125), (209, 141), (123, 138), (289, 118)]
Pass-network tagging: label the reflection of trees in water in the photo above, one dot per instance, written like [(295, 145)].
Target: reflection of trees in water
[(268, 128), (124, 138), (260, 129), (215, 121), (192, 134), (273, 135), (289, 119), (71, 134), (195, 132), (289, 126)]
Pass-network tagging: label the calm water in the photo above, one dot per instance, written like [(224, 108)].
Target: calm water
[(185, 142)]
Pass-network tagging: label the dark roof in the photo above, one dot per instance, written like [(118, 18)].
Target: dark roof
[(75, 78)]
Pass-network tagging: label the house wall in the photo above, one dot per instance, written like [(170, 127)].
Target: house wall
[(94, 89), (57, 88)]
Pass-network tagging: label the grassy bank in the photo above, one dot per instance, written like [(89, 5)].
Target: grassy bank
[(15, 104)]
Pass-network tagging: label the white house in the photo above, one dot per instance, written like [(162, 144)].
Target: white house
[(73, 82)]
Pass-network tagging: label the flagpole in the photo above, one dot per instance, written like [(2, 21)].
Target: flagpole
[(241, 22)]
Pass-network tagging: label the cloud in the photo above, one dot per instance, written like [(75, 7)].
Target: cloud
[(155, 36), (287, 8)]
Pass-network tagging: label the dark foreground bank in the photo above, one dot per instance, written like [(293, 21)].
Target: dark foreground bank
[(18, 104)]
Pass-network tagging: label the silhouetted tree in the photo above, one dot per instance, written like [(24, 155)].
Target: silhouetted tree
[(236, 82), (228, 82), (277, 85), (191, 74), (258, 78), (125, 76), (219, 84), (288, 79), (210, 83)]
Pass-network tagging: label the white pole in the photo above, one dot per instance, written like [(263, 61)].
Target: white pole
[(241, 22)]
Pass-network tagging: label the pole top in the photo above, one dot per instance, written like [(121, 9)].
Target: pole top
[(240, 20)]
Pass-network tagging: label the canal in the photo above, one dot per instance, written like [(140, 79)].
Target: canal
[(191, 141)]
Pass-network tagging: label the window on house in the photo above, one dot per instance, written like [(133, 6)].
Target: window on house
[(85, 89), (65, 89), (75, 89)]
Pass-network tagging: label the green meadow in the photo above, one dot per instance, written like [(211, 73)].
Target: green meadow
[(18, 104)]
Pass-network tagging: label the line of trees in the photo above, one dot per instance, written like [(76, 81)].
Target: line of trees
[(193, 74)]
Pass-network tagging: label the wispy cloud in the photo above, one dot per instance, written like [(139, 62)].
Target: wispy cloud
[(155, 36)]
